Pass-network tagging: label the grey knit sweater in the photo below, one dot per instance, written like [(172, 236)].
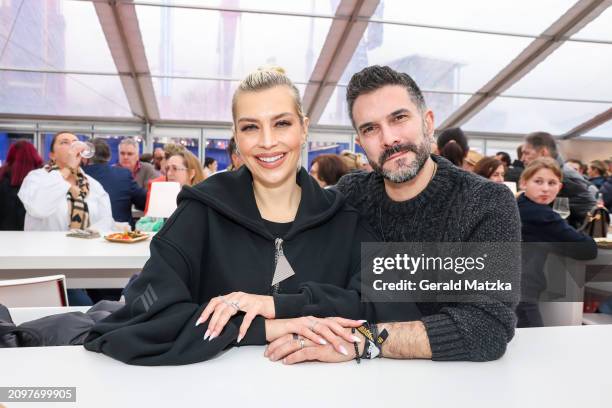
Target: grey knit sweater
[(456, 206)]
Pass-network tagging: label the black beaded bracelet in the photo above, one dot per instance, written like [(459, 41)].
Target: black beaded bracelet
[(357, 357)]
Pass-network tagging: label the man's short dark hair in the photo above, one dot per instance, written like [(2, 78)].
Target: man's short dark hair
[(504, 158), (208, 161), (540, 140), (375, 77), (103, 153)]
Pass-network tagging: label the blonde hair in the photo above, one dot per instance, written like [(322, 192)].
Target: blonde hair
[(192, 163), (266, 78), (539, 164)]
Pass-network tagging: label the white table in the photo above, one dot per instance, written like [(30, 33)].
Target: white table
[(545, 367), (87, 263)]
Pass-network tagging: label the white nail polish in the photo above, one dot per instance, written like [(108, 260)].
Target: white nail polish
[(356, 339), (206, 334), (343, 351), (212, 336), (198, 323), (362, 321), (239, 338), (322, 341)]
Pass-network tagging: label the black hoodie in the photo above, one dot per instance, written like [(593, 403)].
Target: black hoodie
[(216, 243)]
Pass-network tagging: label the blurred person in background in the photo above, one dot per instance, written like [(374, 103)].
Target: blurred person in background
[(117, 182), (491, 168), (453, 146), (541, 182), (61, 197), (158, 156), (234, 156), (327, 169), (210, 167), (128, 159), (504, 158), (597, 172), (513, 173), (575, 187), (21, 158)]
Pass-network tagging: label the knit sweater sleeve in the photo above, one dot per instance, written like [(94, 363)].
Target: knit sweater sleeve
[(480, 331)]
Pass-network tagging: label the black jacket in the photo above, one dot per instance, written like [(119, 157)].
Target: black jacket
[(12, 212), (546, 232), (216, 243)]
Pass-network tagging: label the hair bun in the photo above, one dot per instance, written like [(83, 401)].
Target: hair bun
[(272, 68)]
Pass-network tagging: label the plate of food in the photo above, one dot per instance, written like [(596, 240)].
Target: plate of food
[(127, 237)]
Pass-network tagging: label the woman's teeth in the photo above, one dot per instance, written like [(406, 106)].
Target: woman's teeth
[(271, 159)]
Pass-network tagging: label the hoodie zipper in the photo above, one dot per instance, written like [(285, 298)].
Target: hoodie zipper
[(278, 251)]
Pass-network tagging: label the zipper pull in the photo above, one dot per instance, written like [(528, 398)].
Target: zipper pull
[(283, 269)]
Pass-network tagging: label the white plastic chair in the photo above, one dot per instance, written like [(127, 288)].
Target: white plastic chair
[(44, 291)]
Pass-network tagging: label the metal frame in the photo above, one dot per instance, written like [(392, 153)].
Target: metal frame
[(119, 23), (583, 12)]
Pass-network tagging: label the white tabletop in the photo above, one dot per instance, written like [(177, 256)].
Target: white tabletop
[(87, 263), (48, 250), (544, 367)]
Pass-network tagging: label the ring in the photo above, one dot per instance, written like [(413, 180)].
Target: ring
[(302, 343), (233, 304)]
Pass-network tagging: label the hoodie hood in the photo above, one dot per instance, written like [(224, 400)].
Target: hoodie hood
[(231, 194)]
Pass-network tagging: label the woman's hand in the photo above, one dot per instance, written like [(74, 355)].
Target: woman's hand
[(222, 308), (289, 335)]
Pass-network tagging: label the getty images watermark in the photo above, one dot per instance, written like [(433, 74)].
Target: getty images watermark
[(471, 272)]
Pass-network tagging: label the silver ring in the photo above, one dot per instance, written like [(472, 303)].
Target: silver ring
[(233, 304), (302, 343)]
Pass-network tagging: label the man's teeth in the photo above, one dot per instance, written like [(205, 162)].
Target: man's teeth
[(271, 159)]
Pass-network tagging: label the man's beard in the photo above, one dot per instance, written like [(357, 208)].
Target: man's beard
[(406, 169)]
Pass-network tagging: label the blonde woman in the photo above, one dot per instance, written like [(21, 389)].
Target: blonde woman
[(262, 236)]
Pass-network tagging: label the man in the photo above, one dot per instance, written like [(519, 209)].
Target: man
[(504, 158), (128, 159), (575, 187), (514, 171), (158, 157), (234, 156), (118, 183), (413, 196)]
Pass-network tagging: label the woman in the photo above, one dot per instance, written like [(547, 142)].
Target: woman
[(60, 197), (210, 167), (181, 167), (327, 169), (22, 158), (546, 231), (453, 146), (491, 168), (260, 234), (597, 173)]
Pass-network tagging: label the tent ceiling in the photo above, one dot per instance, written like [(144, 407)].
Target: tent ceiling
[(504, 67)]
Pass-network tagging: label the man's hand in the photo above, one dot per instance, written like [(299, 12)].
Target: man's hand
[(222, 308)]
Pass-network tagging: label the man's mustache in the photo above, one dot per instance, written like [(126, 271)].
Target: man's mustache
[(406, 147)]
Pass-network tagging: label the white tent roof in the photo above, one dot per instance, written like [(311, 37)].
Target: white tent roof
[(502, 67)]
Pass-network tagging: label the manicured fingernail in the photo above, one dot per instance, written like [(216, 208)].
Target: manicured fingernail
[(362, 321), (212, 336), (199, 322), (322, 341), (206, 334), (343, 351), (284, 361), (239, 338), (356, 339)]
